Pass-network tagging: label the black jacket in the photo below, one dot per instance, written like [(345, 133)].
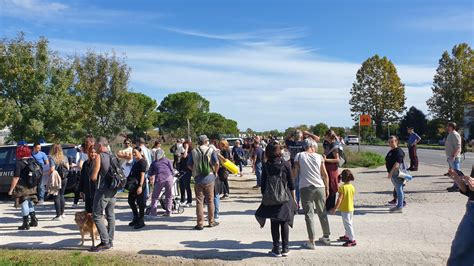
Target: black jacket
[(86, 186)]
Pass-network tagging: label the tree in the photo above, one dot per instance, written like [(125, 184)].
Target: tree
[(141, 113), (413, 118), (219, 125), (378, 92), (184, 112), (35, 99), (102, 90), (340, 131), (453, 84), (319, 129), (435, 129)]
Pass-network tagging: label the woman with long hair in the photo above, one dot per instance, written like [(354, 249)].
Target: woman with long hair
[(60, 167), (223, 173), (186, 173), (136, 189), (331, 162)]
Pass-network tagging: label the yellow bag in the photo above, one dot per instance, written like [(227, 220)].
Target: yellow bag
[(229, 165)]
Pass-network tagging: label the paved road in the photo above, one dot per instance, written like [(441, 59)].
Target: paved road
[(429, 157)]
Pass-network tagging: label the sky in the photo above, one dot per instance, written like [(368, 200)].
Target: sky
[(268, 64)]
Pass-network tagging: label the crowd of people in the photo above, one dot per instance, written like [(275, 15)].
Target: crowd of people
[(293, 177)]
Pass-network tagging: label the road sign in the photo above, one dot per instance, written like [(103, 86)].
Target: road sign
[(365, 120)]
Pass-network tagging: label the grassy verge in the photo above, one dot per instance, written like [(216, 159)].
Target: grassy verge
[(363, 159)]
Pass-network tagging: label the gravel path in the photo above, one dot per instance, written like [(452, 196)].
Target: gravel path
[(421, 235)]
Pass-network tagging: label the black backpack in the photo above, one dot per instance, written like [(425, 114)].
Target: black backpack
[(275, 189), (35, 173), (115, 175)]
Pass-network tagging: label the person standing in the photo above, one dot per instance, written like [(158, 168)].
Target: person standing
[(204, 163), (413, 139), (186, 173), (331, 162), (238, 156), (86, 186), (161, 176), (146, 153), (60, 165), (277, 172), (223, 173), (43, 160), (393, 162), (104, 198), (25, 195), (452, 148), (126, 157), (156, 146), (258, 163), (462, 248), (314, 186), (135, 193)]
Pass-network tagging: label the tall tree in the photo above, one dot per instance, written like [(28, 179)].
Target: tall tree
[(141, 113), (184, 112), (453, 84), (413, 118), (34, 91), (219, 125), (378, 92), (319, 129), (102, 86)]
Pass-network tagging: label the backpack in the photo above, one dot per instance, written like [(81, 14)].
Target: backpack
[(275, 189), (173, 148), (204, 166), (115, 175), (35, 173), (62, 170)]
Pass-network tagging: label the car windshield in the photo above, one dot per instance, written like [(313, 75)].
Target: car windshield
[(7, 156)]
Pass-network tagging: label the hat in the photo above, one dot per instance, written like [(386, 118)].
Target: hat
[(203, 138), (21, 143)]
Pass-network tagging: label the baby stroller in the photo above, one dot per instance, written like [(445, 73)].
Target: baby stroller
[(177, 207)]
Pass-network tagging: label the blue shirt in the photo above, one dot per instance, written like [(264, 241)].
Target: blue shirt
[(41, 157), (413, 138)]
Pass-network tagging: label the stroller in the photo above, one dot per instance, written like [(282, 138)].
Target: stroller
[(177, 207)]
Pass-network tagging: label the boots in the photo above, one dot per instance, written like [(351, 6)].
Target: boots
[(34, 220), (134, 222), (140, 223), (25, 225)]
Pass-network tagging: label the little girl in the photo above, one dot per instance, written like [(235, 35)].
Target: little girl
[(345, 204)]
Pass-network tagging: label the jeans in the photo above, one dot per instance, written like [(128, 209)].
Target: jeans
[(146, 190), (133, 201), (104, 201), (398, 185), (455, 165), (298, 192), (27, 207), (462, 248), (347, 221), (155, 198), (285, 233), (313, 198), (258, 173), (185, 187), (59, 200), (42, 185), (217, 204), (207, 191)]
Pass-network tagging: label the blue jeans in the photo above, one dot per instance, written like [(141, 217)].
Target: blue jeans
[(258, 173), (104, 202), (297, 188), (26, 207), (217, 203), (455, 165), (398, 185), (462, 248)]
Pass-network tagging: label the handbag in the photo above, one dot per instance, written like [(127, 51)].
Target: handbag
[(222, 173), (403, 172)]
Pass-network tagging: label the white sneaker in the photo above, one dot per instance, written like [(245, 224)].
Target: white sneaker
[(63, 215), (57, 218), (325, 240)]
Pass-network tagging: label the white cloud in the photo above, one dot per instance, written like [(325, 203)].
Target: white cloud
[(262, 86), (446, 20), (27, 8)]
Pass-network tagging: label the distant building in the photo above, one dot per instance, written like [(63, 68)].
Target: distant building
[(469, 121), (4, 133)]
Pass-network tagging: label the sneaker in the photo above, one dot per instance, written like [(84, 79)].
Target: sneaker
[(214, 224), (63, 215), (224, 197), (199, 228), (350, 243), (139, 225), (285, 251), (309, 245), (57, 218), (453, 189), (41, 201), (111, 244), (255, 187), (189, 204), (404, 203), (396, 210), (217, 220), (275, 252), (393, 202), (325, 240), (300, 211), (343, 238), (100, 247)]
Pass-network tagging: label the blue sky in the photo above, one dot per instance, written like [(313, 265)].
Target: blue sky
[(266, 64)]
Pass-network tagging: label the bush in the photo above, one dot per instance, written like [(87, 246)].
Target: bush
[(363, 159)]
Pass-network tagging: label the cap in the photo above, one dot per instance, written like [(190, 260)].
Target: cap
[(21, 142), (203, 138)]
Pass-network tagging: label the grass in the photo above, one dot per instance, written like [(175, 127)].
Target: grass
[(41, 257), (363, 159)]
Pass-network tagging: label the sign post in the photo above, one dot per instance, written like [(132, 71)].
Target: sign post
[(364, 120)]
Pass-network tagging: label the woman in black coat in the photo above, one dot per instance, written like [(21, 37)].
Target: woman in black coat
[(280, 215), (86, 187)]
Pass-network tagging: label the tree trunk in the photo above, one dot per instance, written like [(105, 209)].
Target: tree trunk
[(189, 127)]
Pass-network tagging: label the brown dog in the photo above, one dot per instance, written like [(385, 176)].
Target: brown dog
[(86, 225)]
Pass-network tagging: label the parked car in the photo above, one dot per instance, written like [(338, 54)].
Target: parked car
[(8, 162), (352, 140), (232, 141)]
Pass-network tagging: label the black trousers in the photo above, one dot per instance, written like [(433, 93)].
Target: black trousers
[(225, 187), (133, 201), (185, 188), (413, 157), (88, 203), (59, 200), (285, 233), (331, 201)]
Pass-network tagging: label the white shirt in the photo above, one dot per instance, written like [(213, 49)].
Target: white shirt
[(310, 169)]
